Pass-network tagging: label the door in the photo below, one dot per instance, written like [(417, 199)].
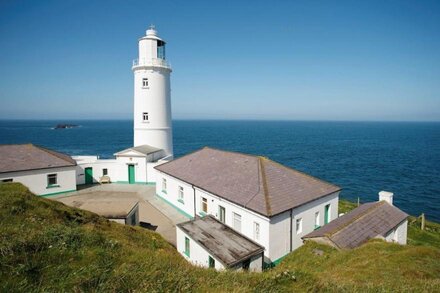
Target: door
[(89, 175), (211, 262), (327, 214), (131, 174), (221, 214)]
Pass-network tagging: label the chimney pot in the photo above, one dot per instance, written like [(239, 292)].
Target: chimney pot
[(386, 196)]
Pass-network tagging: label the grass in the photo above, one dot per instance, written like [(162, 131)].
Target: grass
[(47, 246)]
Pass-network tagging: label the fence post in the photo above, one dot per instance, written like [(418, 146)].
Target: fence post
[(423, 221), (358, 201)]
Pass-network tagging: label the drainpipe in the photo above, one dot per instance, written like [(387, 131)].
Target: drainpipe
[(194, 201), (291, 220)]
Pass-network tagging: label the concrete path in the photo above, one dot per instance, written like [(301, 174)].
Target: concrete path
[(152, 209)]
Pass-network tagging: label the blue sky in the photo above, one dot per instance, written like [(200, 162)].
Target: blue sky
[(295, 60)]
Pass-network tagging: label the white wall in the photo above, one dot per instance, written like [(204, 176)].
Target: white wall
[(117, 169), (198, 255), (36, 180), (307, 213), (172, 193), (398, 234)]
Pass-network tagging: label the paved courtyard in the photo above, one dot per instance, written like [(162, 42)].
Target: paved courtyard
[(152, 209)]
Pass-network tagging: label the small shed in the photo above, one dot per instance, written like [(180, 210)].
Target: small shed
[(123, 211), (371, 220), (207, 242)]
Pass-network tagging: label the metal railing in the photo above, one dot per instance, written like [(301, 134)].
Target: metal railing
[(151, 62)]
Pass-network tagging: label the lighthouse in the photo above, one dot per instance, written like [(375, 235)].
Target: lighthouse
[(152, 95)]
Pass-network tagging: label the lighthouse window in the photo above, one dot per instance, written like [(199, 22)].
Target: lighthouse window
[(161, 49), (145, 116), (145, 82)]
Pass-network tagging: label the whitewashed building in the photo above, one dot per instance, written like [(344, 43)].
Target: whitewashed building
[(264, 201), (45, 172), (207, 242), (153, 137), (381, 220)]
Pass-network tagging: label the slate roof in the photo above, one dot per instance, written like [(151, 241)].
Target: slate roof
[(224, 243), (143, 149), (21, 157), (367, 221), (253, 182)]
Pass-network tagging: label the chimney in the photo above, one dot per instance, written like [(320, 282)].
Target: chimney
[(386, 196)]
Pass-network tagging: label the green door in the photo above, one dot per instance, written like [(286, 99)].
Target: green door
[(211, 262), (89, 175), (131, 174), (327, 214)]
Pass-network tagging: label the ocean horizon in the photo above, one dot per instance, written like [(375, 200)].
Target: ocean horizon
[(362, 157)]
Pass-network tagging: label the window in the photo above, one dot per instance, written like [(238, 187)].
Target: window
[(145, 117), (211, 262), (221, 214), (317, 220), (51, 179), (104, 171), (256, 231), (180, 194), (204, 205), (327, 214), (237, 222), (187, 251), (164, 185), (299, 226), (145, 82)]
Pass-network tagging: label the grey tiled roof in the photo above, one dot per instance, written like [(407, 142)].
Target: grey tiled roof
[(223, 242), (143, 149), (254, 182), (20, 157), (367, 221)]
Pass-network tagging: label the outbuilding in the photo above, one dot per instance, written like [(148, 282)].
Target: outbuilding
[(379, 219), (123, 211), (45, 172), (207, 242)]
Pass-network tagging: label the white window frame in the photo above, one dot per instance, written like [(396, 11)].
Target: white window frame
[(317, 218), (236, 220), (204, 205), (181, 194), (299, 225), (53, 175), (256, 231)]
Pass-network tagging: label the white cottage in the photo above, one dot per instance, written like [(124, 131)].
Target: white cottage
[(264, 201), (379, 219), (45, 172)]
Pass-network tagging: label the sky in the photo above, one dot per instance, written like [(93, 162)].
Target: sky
[(269, 60)]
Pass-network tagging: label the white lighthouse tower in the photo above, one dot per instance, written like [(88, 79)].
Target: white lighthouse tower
[(152, 95)]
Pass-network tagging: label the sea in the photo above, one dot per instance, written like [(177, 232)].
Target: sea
[(362, 158)]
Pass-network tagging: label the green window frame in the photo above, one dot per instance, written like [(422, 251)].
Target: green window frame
[(187, 247), (211, 262)]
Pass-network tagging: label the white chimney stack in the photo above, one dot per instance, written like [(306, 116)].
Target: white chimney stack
[(386, 196)]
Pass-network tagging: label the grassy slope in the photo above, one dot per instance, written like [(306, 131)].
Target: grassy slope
[(46, 246)]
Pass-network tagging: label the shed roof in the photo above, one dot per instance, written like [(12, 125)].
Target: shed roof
[(224, 243), (22, 157), (142, 149), (253, 182), (367, 221), (111, 209)]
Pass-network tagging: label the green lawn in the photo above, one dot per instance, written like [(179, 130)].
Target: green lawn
[(47, 246)]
